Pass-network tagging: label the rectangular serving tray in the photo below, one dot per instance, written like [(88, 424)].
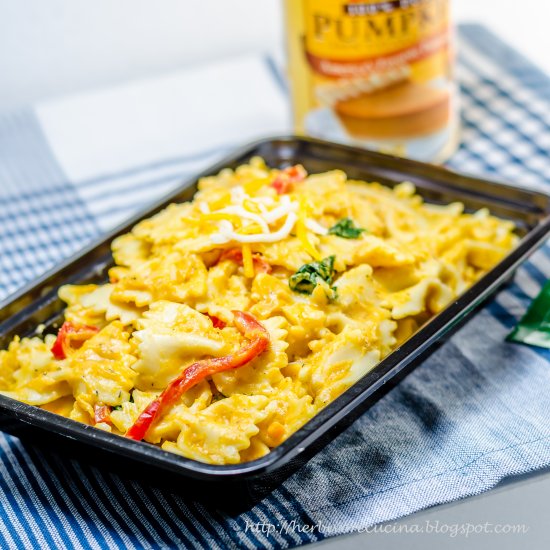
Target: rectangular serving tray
[(38, 303)]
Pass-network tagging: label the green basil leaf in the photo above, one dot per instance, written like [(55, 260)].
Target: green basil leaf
[(534, 327), (308, 276), (346, 228)]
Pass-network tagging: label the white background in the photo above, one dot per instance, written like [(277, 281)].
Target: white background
[(53, 47)]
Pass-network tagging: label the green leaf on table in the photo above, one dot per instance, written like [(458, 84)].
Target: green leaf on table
[(534, 327)]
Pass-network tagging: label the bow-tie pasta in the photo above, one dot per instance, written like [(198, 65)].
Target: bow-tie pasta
[(228, 322)]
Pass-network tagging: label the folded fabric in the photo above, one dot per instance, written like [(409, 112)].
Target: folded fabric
[(472, 414)]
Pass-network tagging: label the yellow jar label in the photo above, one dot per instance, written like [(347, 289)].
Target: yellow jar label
[(373, 73), (350, 38)]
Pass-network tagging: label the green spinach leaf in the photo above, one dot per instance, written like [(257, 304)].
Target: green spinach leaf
[(308, 276), (346, 228)]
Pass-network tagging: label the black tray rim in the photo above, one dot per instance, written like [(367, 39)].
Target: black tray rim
[(333, 413)]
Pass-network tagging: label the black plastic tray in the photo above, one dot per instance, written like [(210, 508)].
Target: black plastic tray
[(38, 304)]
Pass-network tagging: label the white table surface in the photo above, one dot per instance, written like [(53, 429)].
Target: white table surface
[(62, 46)]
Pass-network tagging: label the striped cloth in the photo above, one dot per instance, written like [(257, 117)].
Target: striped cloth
[(472, 414)]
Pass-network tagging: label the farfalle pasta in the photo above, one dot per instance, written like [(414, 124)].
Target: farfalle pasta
[(229, 321)]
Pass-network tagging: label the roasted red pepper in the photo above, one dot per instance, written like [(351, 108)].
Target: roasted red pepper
[(252, 330), (70, 337), (285, 180), (102, 413), (236, 255)]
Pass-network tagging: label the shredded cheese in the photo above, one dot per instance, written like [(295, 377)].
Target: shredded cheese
[(312, 225), (244, 214), (255, 185), (302, 233), (223, 216), (277, 213), (237, 194), (248, 219), (227, 235), (248, 264), (253, 206)]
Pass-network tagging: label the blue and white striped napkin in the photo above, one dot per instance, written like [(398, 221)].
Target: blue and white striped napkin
[(472, 414)]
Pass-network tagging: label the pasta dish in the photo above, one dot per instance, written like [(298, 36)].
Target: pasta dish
[(228, 322)]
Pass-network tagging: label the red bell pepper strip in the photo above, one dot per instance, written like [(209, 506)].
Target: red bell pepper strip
[(217, 322), (102, 413), (71, 336), (252, 330), (285, 180), (236, 255)]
